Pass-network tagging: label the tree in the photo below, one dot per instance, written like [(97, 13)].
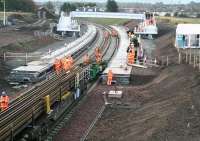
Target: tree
[(19, 5), (176, 14), (67, 7), (111, 6), (90, 4), (49, 5), (167, 15)]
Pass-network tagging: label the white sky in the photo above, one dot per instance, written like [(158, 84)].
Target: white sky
[(142, 1)]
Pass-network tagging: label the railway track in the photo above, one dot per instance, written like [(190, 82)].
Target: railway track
[(77, 124), (30, 105)]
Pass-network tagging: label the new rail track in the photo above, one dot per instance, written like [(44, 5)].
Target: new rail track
[(24, 109), (84, 115)]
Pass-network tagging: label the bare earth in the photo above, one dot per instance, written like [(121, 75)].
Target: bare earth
[(164, 109)]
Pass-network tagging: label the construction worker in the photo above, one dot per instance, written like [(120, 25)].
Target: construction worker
[(57, 65), (110, 77), (4, 101), (98, 58), (97, 55), (97, 51), (86, 59), (131, 56), (65, 64)]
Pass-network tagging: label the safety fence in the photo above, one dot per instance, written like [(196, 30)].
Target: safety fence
[(190, 56), (6, 29), (46, 35), (22, 57), (155, 62)]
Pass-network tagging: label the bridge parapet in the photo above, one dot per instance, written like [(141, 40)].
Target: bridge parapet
[(116, 15)]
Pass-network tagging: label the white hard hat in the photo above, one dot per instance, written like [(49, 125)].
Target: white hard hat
[(3, 93)]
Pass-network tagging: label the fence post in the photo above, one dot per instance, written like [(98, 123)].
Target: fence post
[(199, 60), (179, 58), (186, 56), (4, 56), (194, 60), (167, 60), (26, 58), (190, 56), (162, 61)]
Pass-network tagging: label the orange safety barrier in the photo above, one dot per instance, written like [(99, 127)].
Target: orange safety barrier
[(110, 77), (4, 101), (86, 59), (57, 65)]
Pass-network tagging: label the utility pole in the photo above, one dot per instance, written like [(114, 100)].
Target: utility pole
[(4, 12)]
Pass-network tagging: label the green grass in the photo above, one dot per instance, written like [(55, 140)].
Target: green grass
[(176, 20), (106, 21), (10, 13)]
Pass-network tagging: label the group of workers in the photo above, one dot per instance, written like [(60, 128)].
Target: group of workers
[(65, 63), (135, 52)]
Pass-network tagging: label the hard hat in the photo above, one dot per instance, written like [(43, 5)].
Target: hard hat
[(3, 93)]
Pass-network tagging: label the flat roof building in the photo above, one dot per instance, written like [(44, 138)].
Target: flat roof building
[(187, 36)]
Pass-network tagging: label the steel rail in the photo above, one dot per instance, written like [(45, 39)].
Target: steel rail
[(22, 109), (113, 44)]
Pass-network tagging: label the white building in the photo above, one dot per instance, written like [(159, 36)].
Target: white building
[(66, 23), (187, 36)]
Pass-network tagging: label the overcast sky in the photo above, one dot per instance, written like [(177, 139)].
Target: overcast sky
[(142, 1)]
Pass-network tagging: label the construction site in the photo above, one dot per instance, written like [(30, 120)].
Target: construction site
[(71, 77)]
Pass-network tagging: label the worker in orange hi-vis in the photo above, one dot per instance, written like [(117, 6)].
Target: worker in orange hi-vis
[(86, 59), (131, 56), (98, 55), (98, 58), (110, 77), (4, 101), (97, 51), (57, 65), (65, 64)]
